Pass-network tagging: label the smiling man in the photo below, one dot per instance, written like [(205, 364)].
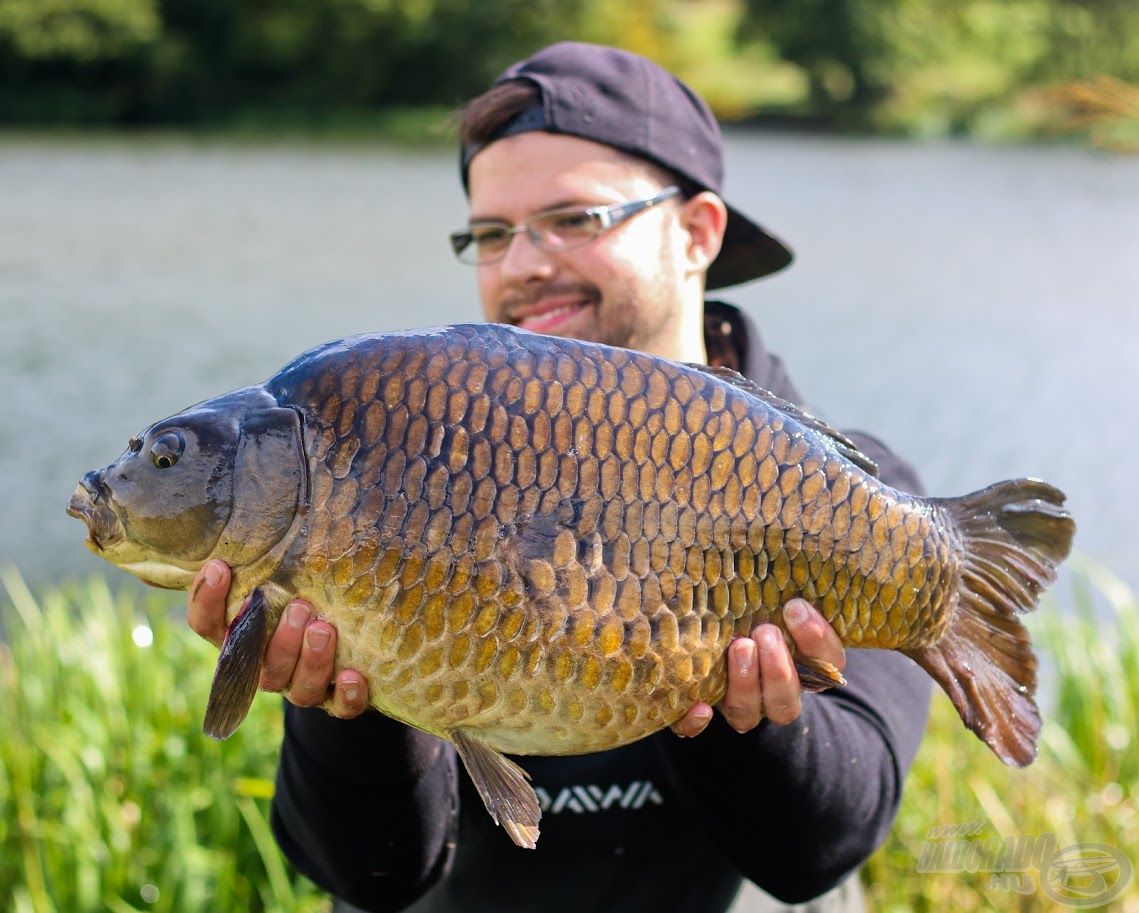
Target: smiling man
[(623, 290), (594, 180)]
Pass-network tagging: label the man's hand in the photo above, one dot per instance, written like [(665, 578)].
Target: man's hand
[(762, 681), (300, 655)]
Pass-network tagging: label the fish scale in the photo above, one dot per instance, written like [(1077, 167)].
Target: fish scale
[(543, 546), (559, 595)]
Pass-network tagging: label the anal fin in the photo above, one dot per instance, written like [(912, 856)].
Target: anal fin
[(239, 669), (503, 785)]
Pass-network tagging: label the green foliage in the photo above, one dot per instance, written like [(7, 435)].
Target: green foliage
[(836, 43), (1104, 109), (112, 799), (1083, 788), (944, 66), (920, 66), (80, 30), (110, 796)]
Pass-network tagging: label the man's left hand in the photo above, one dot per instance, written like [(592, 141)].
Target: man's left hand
[(762, 681)]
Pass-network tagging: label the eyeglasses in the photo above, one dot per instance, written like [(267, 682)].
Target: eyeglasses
[(481, 243)]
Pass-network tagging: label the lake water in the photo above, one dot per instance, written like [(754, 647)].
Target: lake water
[(977, 308)]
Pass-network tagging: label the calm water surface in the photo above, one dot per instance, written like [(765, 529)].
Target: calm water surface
[(974, 307)]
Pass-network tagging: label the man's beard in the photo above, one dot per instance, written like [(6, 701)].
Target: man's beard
[(626, 319)]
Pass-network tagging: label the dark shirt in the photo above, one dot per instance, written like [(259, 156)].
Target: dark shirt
[(380, 815)]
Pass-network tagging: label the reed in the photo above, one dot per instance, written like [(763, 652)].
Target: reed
[(112, 799), (110, 796), (1083, 787)]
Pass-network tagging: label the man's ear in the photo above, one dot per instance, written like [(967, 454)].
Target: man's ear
[(705, 218)]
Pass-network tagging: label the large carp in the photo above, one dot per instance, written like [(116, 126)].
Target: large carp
[(543, 546)]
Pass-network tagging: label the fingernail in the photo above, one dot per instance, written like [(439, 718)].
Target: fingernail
[(351, 689), (745, 656), (795, 611), (214, 574), (298, 616), (702, 714), (317, 638)]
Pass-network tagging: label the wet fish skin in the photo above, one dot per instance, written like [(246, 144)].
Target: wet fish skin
[(582, 531), (543, 546)]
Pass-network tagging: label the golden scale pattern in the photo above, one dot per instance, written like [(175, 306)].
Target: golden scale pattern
[(538, 539)]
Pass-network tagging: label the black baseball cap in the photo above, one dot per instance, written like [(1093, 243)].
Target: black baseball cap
[(625, 101)]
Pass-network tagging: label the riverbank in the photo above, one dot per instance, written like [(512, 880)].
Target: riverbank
[(1100, 112), (921, 68)]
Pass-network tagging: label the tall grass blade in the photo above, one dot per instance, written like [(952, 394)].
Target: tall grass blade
[(1083, 787), (110, 796)]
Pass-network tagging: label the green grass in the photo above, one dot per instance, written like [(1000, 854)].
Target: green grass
[(110, 796), (1083, 788), (112, 799)]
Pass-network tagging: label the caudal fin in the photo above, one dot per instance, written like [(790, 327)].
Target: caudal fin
[(1015, 534)]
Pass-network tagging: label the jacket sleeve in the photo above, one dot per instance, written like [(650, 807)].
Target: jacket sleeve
[(366, 808), (798, 807)]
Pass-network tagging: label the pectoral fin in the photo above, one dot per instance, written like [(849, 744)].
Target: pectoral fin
[(239, 669), (503, 787)]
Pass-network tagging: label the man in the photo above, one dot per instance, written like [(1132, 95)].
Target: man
[(594, 181)]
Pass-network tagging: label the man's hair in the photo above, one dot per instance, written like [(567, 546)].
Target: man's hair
[(483, 117)]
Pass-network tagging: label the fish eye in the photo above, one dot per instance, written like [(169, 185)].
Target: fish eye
[(167, 449)]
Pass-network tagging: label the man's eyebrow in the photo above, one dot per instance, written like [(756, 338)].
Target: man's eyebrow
[(568, 203)]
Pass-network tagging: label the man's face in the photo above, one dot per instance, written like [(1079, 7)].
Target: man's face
[(623, 288)]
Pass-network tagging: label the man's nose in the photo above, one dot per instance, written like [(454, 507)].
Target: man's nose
[(524, 260)]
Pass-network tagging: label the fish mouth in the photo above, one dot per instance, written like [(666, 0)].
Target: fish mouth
[(103, 527)]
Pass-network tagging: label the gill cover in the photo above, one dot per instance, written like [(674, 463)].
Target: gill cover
[(270, 483)]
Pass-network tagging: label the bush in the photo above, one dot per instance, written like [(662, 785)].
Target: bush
[(916, 66)]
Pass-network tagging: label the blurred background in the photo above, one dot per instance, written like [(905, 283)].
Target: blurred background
[(194, 191), (924, 67)]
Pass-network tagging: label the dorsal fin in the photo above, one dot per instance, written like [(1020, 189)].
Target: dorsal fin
[(845, 446)]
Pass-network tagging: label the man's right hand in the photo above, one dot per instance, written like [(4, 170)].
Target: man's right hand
[(300, 658)]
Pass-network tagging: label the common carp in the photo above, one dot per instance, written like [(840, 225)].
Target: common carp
[(544, 546)]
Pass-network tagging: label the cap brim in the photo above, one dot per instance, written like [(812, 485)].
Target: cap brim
[(748, 252)]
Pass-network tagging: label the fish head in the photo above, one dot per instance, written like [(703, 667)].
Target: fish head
[(224, 479)]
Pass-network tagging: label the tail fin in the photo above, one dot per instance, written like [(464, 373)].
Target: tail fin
[(1015, 535)]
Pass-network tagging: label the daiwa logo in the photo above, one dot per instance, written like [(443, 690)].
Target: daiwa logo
[(592, 798)]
